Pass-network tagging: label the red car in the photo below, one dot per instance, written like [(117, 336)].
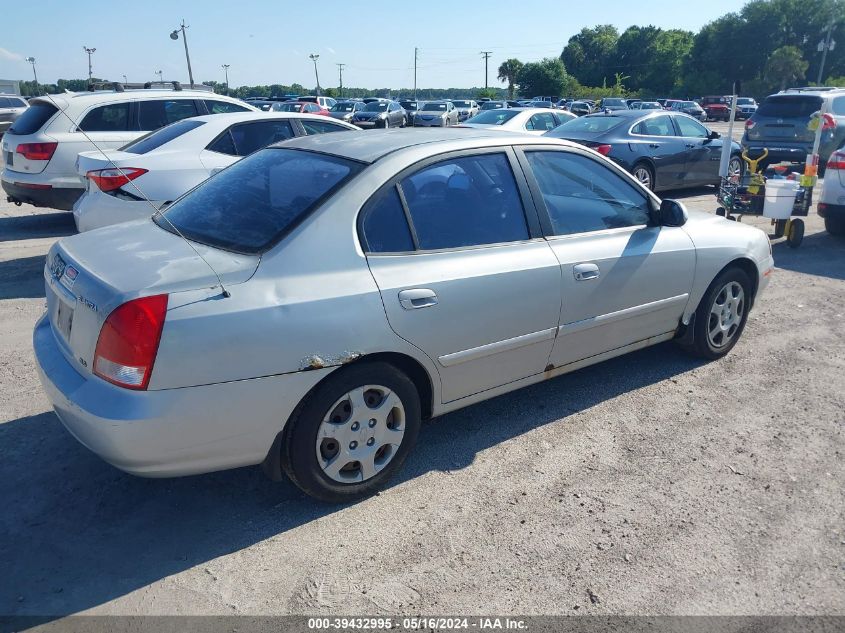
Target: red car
[(717, 108), (303, 107)]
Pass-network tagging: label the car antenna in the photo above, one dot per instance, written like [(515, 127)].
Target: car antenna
[(157, 212)]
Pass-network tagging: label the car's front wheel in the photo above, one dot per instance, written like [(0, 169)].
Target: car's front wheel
[(352, 433)]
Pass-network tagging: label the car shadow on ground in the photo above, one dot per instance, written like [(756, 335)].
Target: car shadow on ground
[(22, 278), (27, 227), (76, 533), (819, 254)]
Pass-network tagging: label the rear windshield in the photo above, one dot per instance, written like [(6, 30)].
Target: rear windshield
[(343, 107), (33, 118), (376, 106), (154, 140), (493, 117), (433, 107), (594, 124), (790, 107), (461, 104), (251, 205), (614, 102)]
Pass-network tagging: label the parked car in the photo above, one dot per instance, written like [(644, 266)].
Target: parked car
[(436, 114), (345, 110), (717, 108), (691, 108), (467, 108), (11, 107), (662, 150), (325, 102), (831, 204), (668, 103), (781, 122), (528, 120), (300, 107), (40, 148), (646, 105), (745, 107), (154, 170), (322, 367), (612, 103), (496, 105), (548, 105), (580, 108), (632, 102), (410, 106), (382, 113)]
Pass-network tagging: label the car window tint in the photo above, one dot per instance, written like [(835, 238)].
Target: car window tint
[(655, 126), (385, 225), (321, 127), (220, 107), (838, 106), (582, 195), (544, 122), (5, 102), (109, 118), (465, 202), (224, 144), (31, 120), (253, 136), (159, 112), (689, 128), (156, 139)]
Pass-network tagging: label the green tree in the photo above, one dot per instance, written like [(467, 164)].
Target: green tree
[(546, 77), (487, 93), (589, 55), (508, 71), (785, 66)]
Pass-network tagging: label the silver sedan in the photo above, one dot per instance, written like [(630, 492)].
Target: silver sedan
[(436, 114), (308, 306)]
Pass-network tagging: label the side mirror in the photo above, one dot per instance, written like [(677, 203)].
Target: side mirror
[(672, 213), (714, 135)]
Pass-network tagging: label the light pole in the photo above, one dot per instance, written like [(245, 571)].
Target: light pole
[(90, 52), (175, 36), (160, 76), (226, 70), (314, 57), (125, 80), (31, 60), (340, 70), (824, 46)]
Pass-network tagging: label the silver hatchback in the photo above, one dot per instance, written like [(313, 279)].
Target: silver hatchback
[(308, 306), (11, 107)]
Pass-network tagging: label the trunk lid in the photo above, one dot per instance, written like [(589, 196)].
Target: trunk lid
[(90, 274)]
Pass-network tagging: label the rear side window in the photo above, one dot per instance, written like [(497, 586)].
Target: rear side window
[(113, 117), (385, 227), (464, 202), (221, 107), (582, 195), (154, 140), (17, 103), (5, 102), (30, 121), (321, 127), (789, 107), (254, 203), (655, 126), (250, 137), (160, 112)]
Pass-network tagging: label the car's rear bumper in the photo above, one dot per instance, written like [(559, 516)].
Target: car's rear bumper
[(62, 198), (831, 211), (169, 432)]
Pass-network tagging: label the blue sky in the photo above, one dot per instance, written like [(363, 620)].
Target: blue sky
[(269, 41)]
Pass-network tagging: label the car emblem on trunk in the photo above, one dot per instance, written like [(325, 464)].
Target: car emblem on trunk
[(57, 266)]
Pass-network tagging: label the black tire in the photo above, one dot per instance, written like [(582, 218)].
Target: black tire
[(796, 233), (780, 228), (404, 122), (648, 171), (835, 226), (299, 459), (701, 344), (721, 212)]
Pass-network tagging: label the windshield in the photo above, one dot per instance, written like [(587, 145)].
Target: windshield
[(376, 106), (156, 139), (614, 102), (492, 105), (434, 107), (343, 107), (789, 107), (594, 124), (689, 104), (649, 105), (744, 101), (251, 205), (461, 104), (493, 117), (288, 107)]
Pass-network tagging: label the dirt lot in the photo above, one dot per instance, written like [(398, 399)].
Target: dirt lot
[(655, 483)]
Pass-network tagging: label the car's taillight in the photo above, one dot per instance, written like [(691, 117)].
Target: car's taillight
[(37, 151), (128, 342), (836, 161), (749, 124), (111, 179), (604, 150)]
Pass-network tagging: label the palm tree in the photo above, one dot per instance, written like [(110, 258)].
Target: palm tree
[(508, 72)]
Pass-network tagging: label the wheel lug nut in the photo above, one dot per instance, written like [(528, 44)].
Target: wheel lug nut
[(372, 422), (353, 445), (355, 426), (371, 441)]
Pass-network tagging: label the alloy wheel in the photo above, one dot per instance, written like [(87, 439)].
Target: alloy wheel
[(642, 174), (726, 314), (735, 169)]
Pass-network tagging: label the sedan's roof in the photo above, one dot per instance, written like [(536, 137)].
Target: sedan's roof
[(376, 144)]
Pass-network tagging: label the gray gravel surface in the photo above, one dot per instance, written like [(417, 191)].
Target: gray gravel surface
[(650, 484)]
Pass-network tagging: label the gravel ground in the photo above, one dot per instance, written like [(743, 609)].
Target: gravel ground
[(649, 484)]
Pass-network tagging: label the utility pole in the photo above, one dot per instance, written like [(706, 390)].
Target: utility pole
[(486, 55), (175, 36), (160, 76), (90, 52), (226, 70), (416, 55), (340, 71), (825, 45), (314, 57), (31, 60), (125, 80)]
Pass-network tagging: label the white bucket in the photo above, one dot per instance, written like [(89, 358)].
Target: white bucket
[(780, 198)]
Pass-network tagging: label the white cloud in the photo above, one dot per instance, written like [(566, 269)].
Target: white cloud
[(10, 56)]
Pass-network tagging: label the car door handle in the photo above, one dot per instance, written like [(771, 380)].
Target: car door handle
[(654, 145), (415, 298), (583, 272), (690, 145)]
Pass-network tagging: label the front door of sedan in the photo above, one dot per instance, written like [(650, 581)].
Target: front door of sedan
[(703, 153), (456, 252), (623, 281), (655, 140)]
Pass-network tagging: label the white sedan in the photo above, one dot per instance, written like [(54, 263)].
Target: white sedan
[(136, 180), (527, 120)]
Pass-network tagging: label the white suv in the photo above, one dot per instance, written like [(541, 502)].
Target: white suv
[(41, 146)]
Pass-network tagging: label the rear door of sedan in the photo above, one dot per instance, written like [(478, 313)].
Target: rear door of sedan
[(656, 140), (623, 279), (455, 246)]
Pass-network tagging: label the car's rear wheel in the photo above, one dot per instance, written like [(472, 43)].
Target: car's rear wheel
[(835, 226), (352, 433), (721, 315), (645, 174)]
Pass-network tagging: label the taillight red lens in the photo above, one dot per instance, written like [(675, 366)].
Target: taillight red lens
[(111, 179), (37, 151), (128, 342), (604, 150), (836, 161), (749, 124)]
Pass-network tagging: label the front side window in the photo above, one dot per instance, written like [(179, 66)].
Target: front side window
[(108, 118), (251, 205), (655, 126), (582, 195), (385, 227), (222, 107), (467, 201), (250, 137), (690, 128), (160, 112)]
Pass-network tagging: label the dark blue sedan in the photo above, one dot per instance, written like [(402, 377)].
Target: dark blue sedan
[(663, 150)]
